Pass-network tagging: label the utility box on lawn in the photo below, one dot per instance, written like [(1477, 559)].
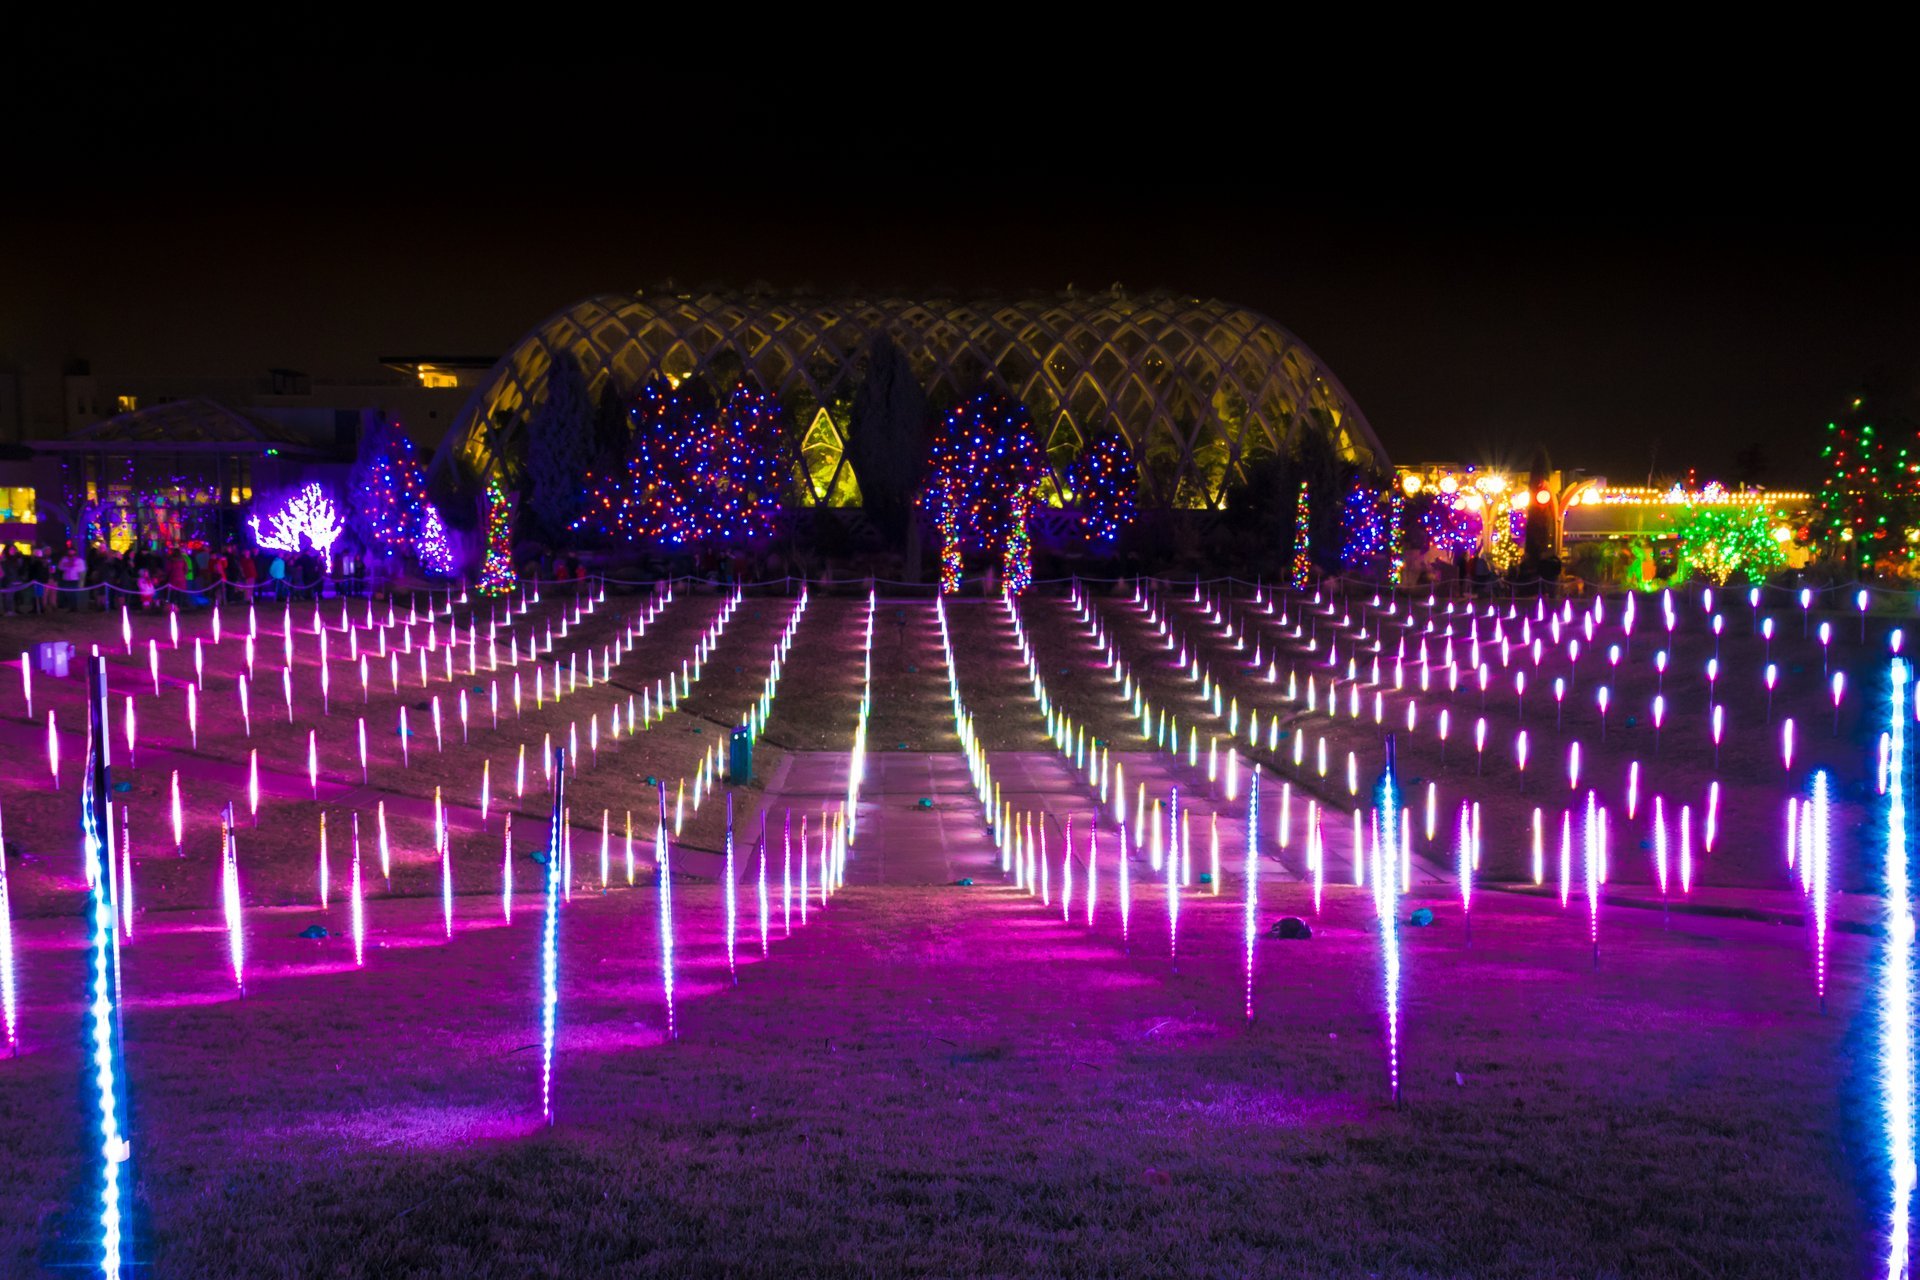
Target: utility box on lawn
[(53, 657), (740, 756)]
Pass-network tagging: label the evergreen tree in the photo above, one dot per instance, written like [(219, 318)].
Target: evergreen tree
[(387, 491), (887, 439), (612, 429), (984, 473), (1869, 494), (654, 496), (741, 470), (560, 448)]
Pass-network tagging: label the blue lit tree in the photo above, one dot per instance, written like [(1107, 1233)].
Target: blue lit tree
[(387, 494), (1105, 482)]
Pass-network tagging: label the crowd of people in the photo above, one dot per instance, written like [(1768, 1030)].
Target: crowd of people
[(151, 577)]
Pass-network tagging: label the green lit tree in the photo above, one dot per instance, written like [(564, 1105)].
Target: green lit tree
[(1722, 539), (1869, 494)]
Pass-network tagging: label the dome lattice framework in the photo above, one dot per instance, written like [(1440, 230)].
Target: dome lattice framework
[(1199, 388)]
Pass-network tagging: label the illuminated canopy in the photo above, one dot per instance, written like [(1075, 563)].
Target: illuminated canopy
[(1200, 388)]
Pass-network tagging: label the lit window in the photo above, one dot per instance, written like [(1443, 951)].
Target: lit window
[(126, 404), (437, 379)]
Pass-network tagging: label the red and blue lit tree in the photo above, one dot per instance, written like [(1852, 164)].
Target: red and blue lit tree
[(387, 490), (697, 474), (741, 476), (650, 497), (1105, 482), (1448, 525), (984, 473)]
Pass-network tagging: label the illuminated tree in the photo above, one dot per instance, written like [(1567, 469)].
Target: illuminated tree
[(496, 574), (1446, 523), (1869, 494), (1506, 536), (696, 473), (1363, 536), (1302, 573), (650, 498), (308, 514), (1721, 539), (984, 472), (740, 470), (1105, 484), (387, 492)]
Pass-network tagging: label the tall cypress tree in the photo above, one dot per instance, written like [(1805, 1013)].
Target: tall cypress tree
[(560, 448), (887, 439)]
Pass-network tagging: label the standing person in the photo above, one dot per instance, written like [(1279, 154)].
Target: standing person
[(73, 570), (217, 571), (249, 574), (277, 573), (176, 579), (10, 582)]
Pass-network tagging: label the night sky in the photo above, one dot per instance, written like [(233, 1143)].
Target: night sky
[(1631, 311)]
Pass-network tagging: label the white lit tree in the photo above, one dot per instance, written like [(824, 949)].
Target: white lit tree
[(309, 514)]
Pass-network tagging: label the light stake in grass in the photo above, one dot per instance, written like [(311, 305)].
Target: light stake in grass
[(325, 879), (1387, 897), (1093, 863), (1464, 859), (1566, 857), (732, 908), (1539, 849), (1839, 686), (550, 949), (230, 901), (1819, 853), (1896, 988), (446, 864), (1126, 896), (53, 747), (1660, 853), (1592, 870), (9, 1006), (359, 909), (1251, 873), (1173, 878), (1686, 850)]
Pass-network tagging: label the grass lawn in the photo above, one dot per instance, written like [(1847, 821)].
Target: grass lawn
[(924, 1081)]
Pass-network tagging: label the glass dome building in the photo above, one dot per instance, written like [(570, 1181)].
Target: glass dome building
[(1199, 388)]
